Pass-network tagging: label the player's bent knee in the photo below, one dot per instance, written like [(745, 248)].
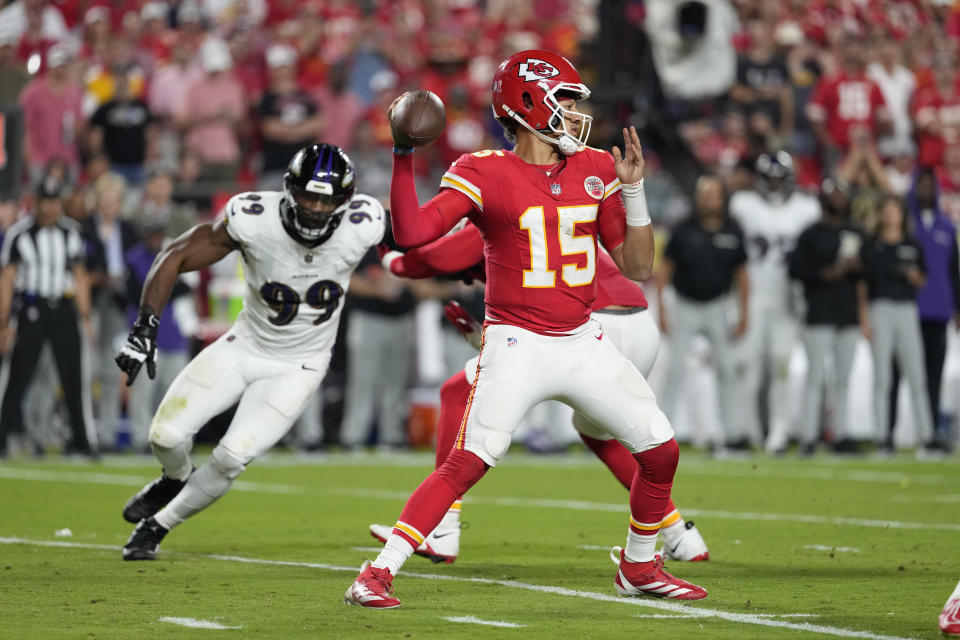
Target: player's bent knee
[(461, 470), (588, 429), (229, 464), (659, 464)]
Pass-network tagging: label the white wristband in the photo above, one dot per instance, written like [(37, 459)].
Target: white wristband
[(635, 202), (388, 259)]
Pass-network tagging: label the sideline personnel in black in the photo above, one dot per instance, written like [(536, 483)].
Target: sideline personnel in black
[(42, 260), (705, 258), (826, 261)]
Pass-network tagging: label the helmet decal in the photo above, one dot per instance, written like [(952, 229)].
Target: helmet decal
[(296, 163), (534, 69), (528, 88)]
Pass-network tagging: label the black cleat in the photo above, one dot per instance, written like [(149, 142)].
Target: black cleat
[(152, 498), (144, 541)]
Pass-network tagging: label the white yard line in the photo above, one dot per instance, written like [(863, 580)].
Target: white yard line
[(193, 623), (577, 505), (489, 623), (673, 607), (826, 547)]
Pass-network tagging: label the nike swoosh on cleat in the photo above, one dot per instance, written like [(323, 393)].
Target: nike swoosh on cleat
[(442, 535), (306, 368), (599, 337)]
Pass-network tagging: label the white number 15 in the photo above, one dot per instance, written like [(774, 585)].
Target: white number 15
[(539, 275)]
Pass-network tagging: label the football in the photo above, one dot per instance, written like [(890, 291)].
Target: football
[(417, 119)]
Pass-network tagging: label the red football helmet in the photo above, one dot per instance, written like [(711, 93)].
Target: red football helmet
[(526, 88)]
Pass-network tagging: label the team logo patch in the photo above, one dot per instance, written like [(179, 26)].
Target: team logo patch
[(594, 187), (555, 189), (511, 342), (534, 69)]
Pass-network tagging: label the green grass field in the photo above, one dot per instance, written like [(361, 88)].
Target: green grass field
[(799, 548)]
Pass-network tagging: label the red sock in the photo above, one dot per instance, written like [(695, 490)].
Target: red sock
[(426, 507), (454, 395), (619, 460), (650, 491)]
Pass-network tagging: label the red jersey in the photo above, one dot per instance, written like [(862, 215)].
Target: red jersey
[(540, 230), (844, 101), (462, 251), (929, 107), (614, 288)]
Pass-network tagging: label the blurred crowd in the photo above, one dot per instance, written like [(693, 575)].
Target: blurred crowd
[(154, 113)]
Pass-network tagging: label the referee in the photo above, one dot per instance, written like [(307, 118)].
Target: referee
[(42, 262)]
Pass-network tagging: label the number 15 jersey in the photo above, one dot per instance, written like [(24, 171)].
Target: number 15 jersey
[(540, 227), (294, 294)]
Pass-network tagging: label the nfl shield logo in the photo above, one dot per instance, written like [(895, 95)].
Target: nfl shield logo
[(511, 342), (594, 187), (555, 189)]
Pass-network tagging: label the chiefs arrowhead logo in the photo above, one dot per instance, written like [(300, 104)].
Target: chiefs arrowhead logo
[(534, 69)]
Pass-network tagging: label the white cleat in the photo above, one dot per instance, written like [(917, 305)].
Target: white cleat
[(689, 546), (442, 545)]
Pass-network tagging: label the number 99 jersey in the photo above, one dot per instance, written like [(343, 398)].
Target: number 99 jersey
[(294, 293)]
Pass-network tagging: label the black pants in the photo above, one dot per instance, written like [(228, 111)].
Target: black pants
[(935, 352), (37, 323)]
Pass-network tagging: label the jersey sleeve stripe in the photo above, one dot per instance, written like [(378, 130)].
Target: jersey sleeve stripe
[(611, 188), (454, 181)]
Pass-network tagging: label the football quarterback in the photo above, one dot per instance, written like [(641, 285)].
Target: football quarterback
[(299, 247)]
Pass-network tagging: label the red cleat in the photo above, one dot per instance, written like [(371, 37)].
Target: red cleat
[(372, 588), (649, 579), (949, 620)]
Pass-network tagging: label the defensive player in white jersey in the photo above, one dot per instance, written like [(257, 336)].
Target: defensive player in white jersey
[(772, 217), (299, 248)]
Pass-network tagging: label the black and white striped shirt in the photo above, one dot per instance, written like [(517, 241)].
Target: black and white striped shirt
[(44, 256)]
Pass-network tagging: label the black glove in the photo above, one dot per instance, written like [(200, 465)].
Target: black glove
[(141, 346)]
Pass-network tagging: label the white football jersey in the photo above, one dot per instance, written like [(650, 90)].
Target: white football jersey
[(771, 230), (294, 293)]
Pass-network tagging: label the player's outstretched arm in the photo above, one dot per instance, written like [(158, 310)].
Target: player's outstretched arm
[(200, 247), (634, 257), (413, 225)]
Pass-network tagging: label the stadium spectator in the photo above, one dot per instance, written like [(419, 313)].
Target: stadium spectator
[(897, 84), (894, 271), (902, 158), (693, 51), (289, 119), (13, 75), (863, 170), (949, 180), (379, 330), (123, 128), (111, 238), (53, 115), (211, 116), (42, 268), (826, 261), (845, 102), (157, 207), (762, 86), (704, 261), (342, 109), (16, 16), (936, 112)]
